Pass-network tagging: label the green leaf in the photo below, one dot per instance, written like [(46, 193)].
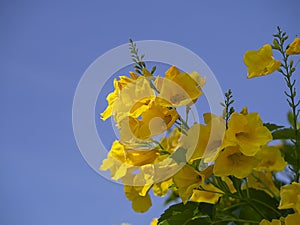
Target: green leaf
[(289, 152), (272, 126), (181, 214), (260, 206), (153, 70), (283, 134), (178, 214)]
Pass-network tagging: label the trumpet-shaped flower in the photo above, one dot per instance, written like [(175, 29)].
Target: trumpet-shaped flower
[(261, 62), (231, 161), (294, 47), (270, 159), (204, 141), (187, 179), (248, 132), (290, 197), (178, 89), (133, 100), (141, 202), (152, 122), (113, 96), (121, 158)]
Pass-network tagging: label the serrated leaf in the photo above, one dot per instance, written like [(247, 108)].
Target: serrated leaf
[(258, 200), (283, 134), (272, 126), (184, 211), (180, 214), (289, 154)]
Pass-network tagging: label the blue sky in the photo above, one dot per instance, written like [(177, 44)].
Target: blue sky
[(45, 47)]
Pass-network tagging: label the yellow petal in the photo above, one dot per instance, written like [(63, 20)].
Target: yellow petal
[(270, 159), (290, 197), (292, 219), (154, 221), (211, 196), (231, 161), (294, 47), (139, 203), (178, 89), (248, 132), (261, 62), (161, 189), (266, 222), (187, 179)]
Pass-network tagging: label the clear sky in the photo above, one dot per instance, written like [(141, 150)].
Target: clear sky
[(45, 47)]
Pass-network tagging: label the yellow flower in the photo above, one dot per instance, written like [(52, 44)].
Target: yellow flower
[(231, 161), (292, 219), (154, 221), (121, 158), (217, 129), (115, 161), (266, 222), (141, 202), (152, 122), (178, 89), (290, 197), (204, 141), (133, 100), (248, 132), (294, 47), (171, 143), (141, 157), (162, 188), (113, 96), (263, 181), (270, 159), (211, 195), (261, 62), (188, 179)]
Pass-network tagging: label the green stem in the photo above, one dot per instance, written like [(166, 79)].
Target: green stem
[(287, 73)]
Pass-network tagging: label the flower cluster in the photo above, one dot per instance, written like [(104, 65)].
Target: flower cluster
[(144, 108), (225, 170)]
